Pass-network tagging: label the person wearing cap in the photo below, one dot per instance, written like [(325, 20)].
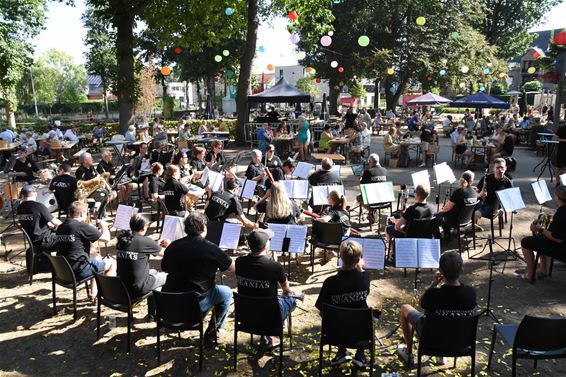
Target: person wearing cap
[(26, 165), (37, 221), (192, 262), (349, 288), (64, 186), (225, 206), (259, 276), (549, 243), (73, 241), (449, 215)]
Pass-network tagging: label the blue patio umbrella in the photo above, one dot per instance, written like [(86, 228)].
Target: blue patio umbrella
[(480, 100)]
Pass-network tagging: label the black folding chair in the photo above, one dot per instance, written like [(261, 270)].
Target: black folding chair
[(62, 274), (35, 261), (446, 336), (326, 236), (261, 316), (535, 338), (465, 222), (335, 331), (179, 312), (113, 294)]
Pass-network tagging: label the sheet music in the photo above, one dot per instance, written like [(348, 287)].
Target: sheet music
[(172, 228), (379, 192), (204, 176), (320, 193), (374, 253), (420, 178), (215, 180), (335, 169), (123, 215), (444, 173), (296, 189), (248, 188), (563, 179), (541, 192), (230, 236), (279, 231), (303, 169), (297, 234), (511, 199), (429, 253), (406, 253)]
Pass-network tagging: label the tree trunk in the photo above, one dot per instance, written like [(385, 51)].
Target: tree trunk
[(333, 96), (105, 97), (199, 95), (10, 118), (126, 81), (245, 72), (186, 95), (211, 90), (376, 94)]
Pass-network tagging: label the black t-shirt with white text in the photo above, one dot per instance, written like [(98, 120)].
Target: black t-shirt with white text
[(324, 178), (348, 288), (173, 190), (449, 300), (33, 217), (64, 187), (257, 276), (73, 242), (373, 175), (192, 263), (339, 215), (461, 197), (222, 205), (86, 174), (132, 257)]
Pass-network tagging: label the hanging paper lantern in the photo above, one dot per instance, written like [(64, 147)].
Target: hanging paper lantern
[(326, 41), (444, 61), (318, 80), (482, 88), (442, 72), (301, 55), (462, 85), (225, 52), (293, 16), (531, 70), (345, 88), (165, 71), (363, 41), (229, 11), (295, 39), (465, 69), (536, 55), (489, 64), (330, 33), (421, 21), (429, 78), (455, 35), (340, 69), (311, 70), (560, 38), (178, 50), (390, 71), (218, 58), (392, 89), (502, 75), (270, 67), (486, 71), (334, 64), (261, 49)]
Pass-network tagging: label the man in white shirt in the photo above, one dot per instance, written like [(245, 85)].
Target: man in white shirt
[(71, 135), (7, 135), (456, 134)]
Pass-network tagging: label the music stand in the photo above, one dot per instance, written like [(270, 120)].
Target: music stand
[(487, 311), (11, 182)]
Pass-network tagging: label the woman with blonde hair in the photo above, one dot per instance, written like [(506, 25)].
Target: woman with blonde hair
[(280, 209), (390, 142)]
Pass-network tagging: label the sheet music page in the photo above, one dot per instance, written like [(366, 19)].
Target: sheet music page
[(297, 234), (215, 180), (288, 186), (429, 252), (511, 199), (123, 215), (144, 165), (406, 253), (335, 169), (374, 253), (444, 173), (172, 228), (540, 189), (204, 176), (563, 179), (379, 192), (279, 230), (248, 188), (420, 178), (339, 188), (230, 236), (303, 169), (300, 189), (320, 195)]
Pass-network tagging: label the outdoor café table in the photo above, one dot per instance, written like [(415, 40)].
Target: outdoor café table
[(344, 144), (65, 147), (217, 134), (284, 143), (413, 143), (483, 151), (114, 144), (10, 147), (550, 148), (333, 156)]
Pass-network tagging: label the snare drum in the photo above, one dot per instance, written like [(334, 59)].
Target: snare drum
[(12, 190), (47, 198)]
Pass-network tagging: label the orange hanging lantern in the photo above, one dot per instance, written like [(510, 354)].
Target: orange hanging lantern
[(270, 67), (165, 71)]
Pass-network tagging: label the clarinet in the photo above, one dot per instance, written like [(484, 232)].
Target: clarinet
[(484, 187)]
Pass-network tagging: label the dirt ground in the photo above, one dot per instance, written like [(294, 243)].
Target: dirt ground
[(34, 342)]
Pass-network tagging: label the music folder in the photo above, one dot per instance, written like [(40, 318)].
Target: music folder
[(417, 253), (288, 238), (296, 189), (563, 179), (247, 188), (444, 173), (224, 234), (303, 169), (541, 191), (320, 193), (420, 178), (379, 192), (173, 228), (373, 252), (510, 199), (123, 215)]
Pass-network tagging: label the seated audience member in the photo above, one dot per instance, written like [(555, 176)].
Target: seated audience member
[(506, 145), (349, 288), (133, 250), (549, 242), (130, 135), (325, 138), (184, 132), (155, 182), (225, 206), (279, 208), (452, 298), (421, 210), (449, 215), (415, 122), (391, 142), (455, 135), (203, 129), (493, 182), (461, 146), (264, 136), (64, 186), (192, 262), (29, 142), (174, 192), (98, 133), (160, 134), (71, 134), (427, 138), (259, 276), (73, 241), (26, 165)]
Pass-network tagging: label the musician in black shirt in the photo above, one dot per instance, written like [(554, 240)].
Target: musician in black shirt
[(64, 186), (215, 156), (89, 175), (25, 165), (449, 215), (493, 182), (223, 206), (174, 192), (36, 220), (182, 161), (272, 161), (373, 174), (550, 243), (197, 162), (106, 165), (138, 159), (154, 182), (324, 176)]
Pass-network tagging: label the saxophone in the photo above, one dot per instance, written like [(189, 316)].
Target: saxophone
[(84, 191), (543, 219)]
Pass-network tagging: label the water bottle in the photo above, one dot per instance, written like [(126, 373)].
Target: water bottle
[(111, 322)]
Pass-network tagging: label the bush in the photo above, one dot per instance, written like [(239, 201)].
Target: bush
[(532, 86), (498, 89)]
